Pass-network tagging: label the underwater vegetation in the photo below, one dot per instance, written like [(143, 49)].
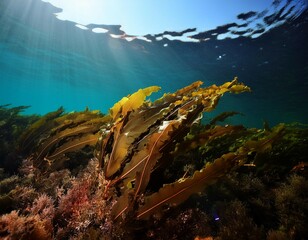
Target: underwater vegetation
[(151, 170), (12, 124)]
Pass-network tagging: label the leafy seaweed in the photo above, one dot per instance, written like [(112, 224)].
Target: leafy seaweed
[(132, 151), (175, 193), (139, 138), (164, 156), (56, 134), (222, 117), (131, 102), (34, 132), (12, 125)]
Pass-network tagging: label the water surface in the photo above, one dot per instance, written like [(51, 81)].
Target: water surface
[(46, 63)]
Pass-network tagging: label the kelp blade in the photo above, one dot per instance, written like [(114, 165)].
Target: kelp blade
[(176, 193)]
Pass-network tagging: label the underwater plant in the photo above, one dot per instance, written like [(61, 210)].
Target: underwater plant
[(146, 136), (86, 175), (51, 139), (292, 206), (12, 125)]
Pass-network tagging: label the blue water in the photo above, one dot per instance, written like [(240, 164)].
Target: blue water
[(46, 63)]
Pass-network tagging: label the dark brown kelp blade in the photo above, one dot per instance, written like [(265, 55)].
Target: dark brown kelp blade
[(176, 193), (182, 100), (124, 134), (162, 143), (74, 145), (206, 137), (266, 142), (139, 130), (142, 170), (173, 194)]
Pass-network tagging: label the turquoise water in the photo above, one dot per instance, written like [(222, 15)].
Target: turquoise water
[(46, 63), (87, 176)]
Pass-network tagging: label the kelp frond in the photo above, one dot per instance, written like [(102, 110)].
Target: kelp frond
[(145, 136), (56, 134), (140, 137), (175, 193), (129, 103), (34, 132)]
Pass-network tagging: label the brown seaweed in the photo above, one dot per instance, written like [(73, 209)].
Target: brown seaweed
[(132, 151), (140, 137), (56, 134), (175, 193), (206, 136), (222, 117), (34, 132)]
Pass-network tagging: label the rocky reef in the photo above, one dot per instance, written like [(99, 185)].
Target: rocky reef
[(151, 170)]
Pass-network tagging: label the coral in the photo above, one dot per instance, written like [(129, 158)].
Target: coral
[(23, 196), (73, 202)]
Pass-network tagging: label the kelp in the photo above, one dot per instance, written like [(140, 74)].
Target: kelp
[(12, 125), (170, 106), (56, 134), (153, 156), (145, 136), (175, 193), (171, 195), (222, 117), (139, 139), (12, 122), (131, 102), (205, 136), (34, 132)]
